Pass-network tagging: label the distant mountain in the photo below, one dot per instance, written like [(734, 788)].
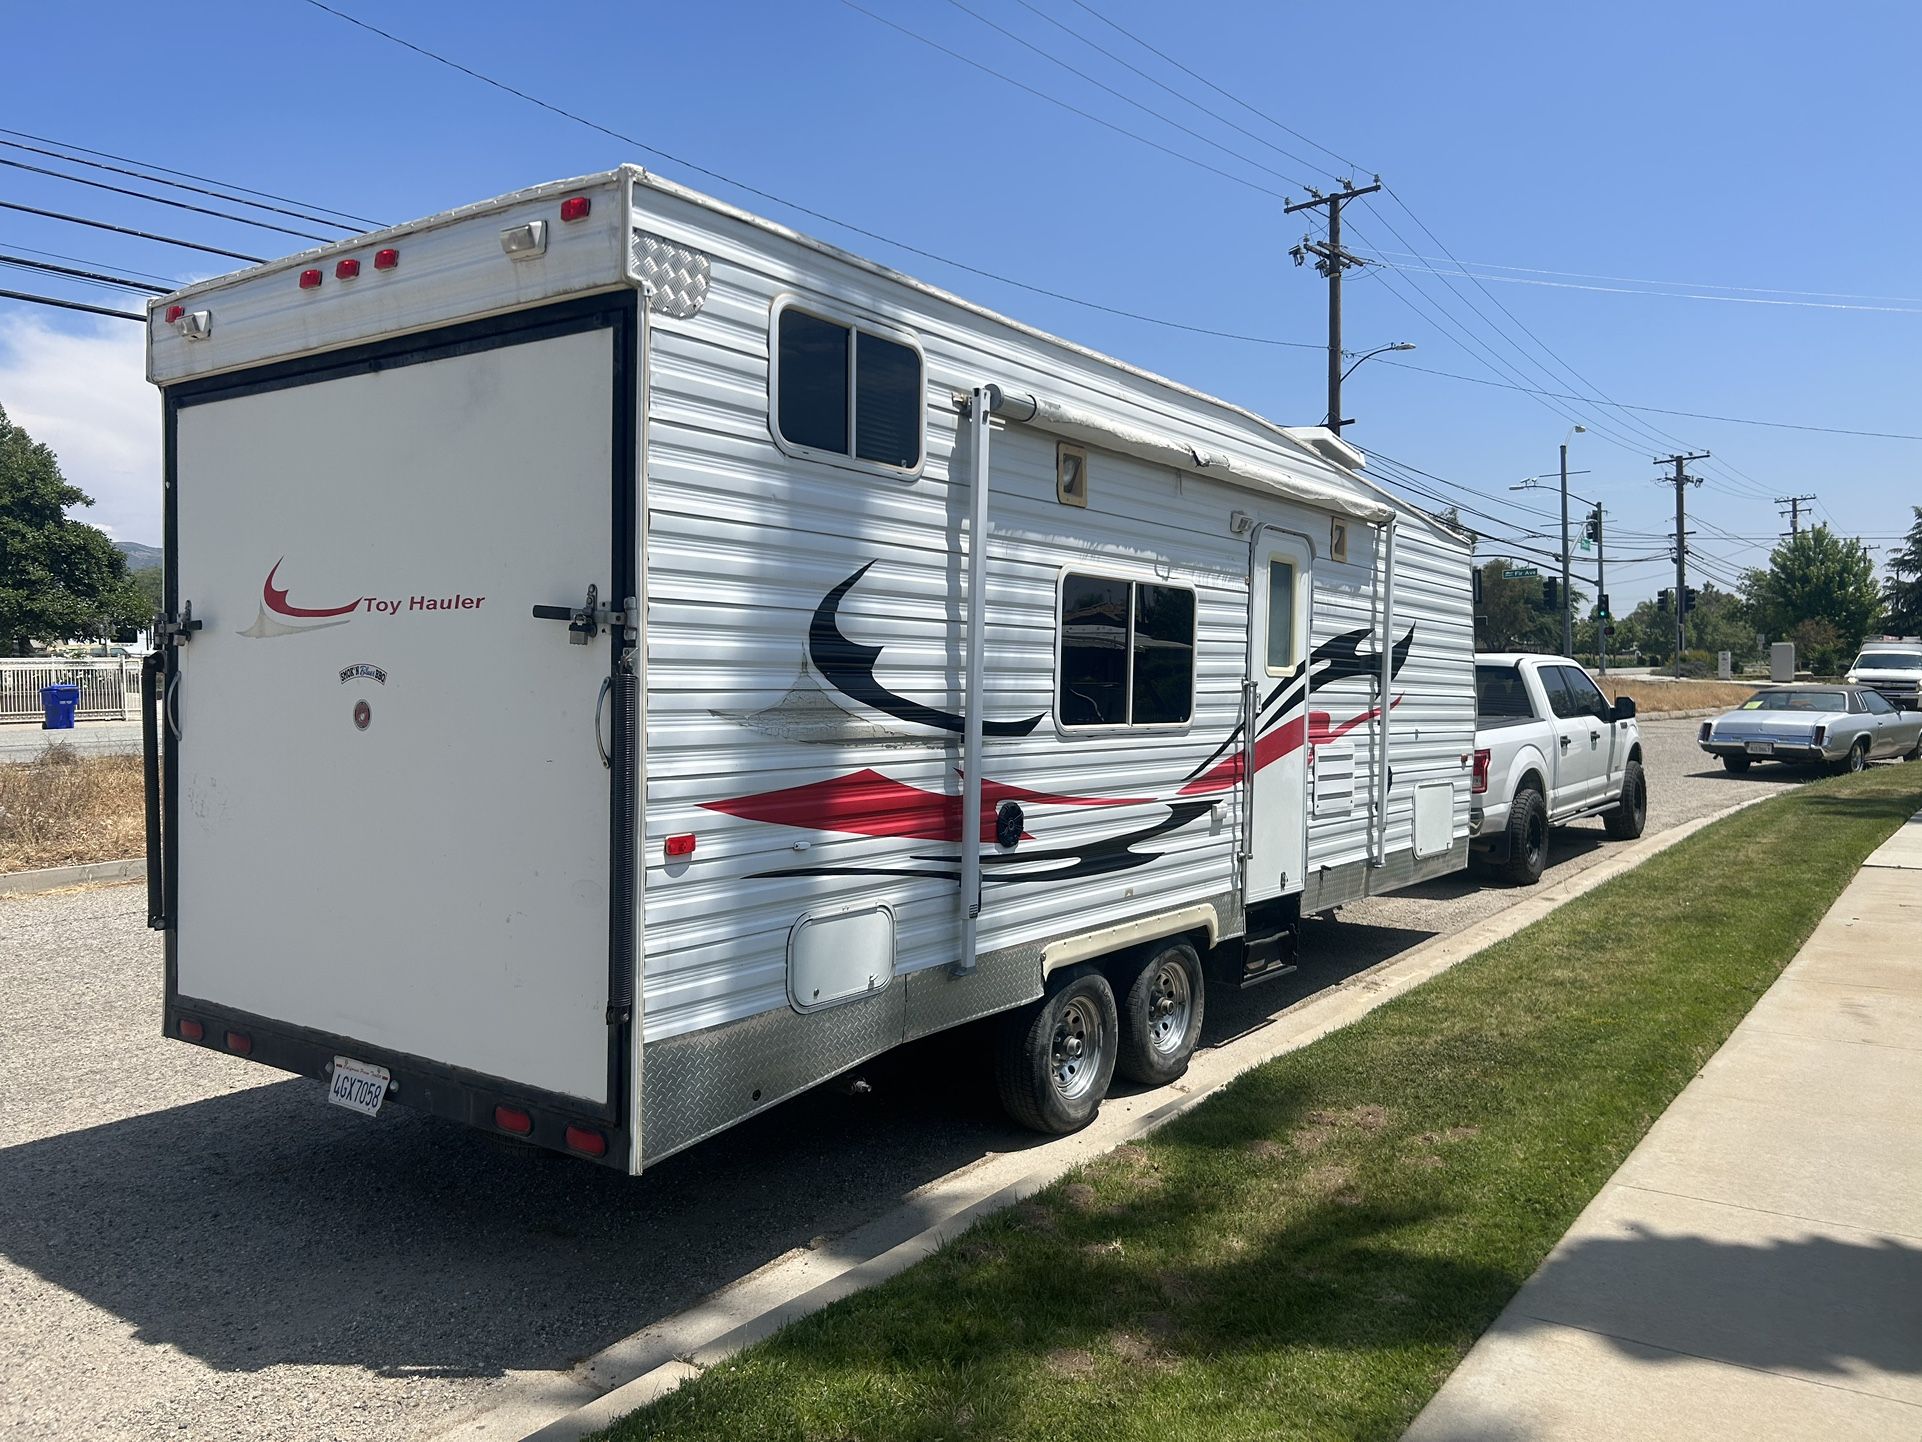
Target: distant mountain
[(139, 557)]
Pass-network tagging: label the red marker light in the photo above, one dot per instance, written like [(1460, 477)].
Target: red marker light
[(513, 1119), (175, 312), (309, 279), (191, 1030), (386, 259), (680, 845), (575, 207), (239, 1043), (347, 270), (586, 1140)]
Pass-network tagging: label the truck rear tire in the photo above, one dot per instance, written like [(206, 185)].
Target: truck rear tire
[(1056, 1056), (1527, 838), (1626, 821), (1735, 763), (1162, 1001)]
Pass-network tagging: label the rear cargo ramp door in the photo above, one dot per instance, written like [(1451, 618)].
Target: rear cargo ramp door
[(393, 817)]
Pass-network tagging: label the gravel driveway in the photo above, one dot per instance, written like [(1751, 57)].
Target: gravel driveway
[(192, 1247)]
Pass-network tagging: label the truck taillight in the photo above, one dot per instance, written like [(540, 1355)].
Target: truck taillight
[(586, 1141), (1483, 759)]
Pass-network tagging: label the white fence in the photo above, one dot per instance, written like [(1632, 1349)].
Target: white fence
[(108, 689)]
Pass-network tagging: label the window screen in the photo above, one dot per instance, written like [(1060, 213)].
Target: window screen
[(1281, 618), (1127, 653), (881, 422), (887, 402), (1163, 690)]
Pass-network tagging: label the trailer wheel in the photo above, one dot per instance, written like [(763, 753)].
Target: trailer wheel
[(1056, 1056), (1162, 1001), (1527, 838), (1625, 822)]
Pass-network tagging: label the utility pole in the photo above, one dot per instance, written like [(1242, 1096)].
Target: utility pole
[(1794, 503), (1331, 260), (1682, 480), (1601, 595)]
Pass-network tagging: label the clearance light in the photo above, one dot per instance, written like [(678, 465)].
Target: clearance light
[(575, 207), (587, 1141), (680, 845), (347, 270), (239, 1043), (175, 312), (191, 1030), (309, 279), (513, 1119), (386, 259)]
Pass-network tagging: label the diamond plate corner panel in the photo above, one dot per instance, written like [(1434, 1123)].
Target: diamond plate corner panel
[(679, 276), (696, 1084), (938, 998)]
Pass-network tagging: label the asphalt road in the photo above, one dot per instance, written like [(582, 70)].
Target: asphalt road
[(193, 1247)]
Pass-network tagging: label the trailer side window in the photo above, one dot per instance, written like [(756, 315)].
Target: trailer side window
[(1127, 653), (841, 390)]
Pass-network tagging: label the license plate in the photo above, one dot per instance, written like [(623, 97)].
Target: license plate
[(1761, 748), (358, 1086)]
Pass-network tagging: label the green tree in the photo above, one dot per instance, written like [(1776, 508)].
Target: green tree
[(1902, 593), (148, 581), (1512, 615), (1816, 576), (1721, 621), (58, 577)]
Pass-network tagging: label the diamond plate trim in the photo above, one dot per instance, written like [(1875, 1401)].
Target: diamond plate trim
[(678, 276), (939, 998)]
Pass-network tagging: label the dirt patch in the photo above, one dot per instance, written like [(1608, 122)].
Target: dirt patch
[(1076, 1364), (1452, 1134), (977, 1251), (1079, 1195), (1177, 1286), (1034, 1217), (1109, 1248), (1140, 1351), (62, 809), (1268, 1151), (1324, 1122)]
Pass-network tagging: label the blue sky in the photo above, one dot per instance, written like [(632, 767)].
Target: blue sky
[(1715, 145)]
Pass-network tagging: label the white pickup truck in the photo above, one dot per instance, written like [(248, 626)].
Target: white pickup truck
[(1549, 748)]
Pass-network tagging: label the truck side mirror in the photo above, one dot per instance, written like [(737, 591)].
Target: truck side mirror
[(1624, 708)]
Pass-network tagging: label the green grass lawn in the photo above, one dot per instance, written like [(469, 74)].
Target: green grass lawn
[(1310, 1252)]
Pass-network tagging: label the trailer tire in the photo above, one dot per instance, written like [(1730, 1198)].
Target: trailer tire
[(1626, 821), (1162, 1003), (1056, 1056), (1527, 838), (1735, 763)]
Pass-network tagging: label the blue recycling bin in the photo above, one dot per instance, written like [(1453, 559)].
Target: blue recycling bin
[(59, 703)]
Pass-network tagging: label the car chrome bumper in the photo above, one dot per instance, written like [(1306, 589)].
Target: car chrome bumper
[(1782, 751)]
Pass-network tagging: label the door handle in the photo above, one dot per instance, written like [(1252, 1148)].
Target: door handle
[(600, 702), (1565, 742)]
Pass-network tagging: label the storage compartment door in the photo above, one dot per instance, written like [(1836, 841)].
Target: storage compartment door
[(393, 818)]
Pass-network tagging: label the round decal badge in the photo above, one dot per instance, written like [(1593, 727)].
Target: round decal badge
[(363, 713)]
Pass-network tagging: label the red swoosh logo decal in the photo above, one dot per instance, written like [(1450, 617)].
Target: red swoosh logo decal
[(274, 598), (1277, 744), (866, 803)]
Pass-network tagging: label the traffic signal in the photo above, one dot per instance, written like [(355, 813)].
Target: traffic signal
[(1601, 607), (1551, 593), (1593, 530), (1608, 630), (1688, 600), (1664, 600)]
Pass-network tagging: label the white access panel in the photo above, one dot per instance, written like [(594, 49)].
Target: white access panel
[(393, 819)]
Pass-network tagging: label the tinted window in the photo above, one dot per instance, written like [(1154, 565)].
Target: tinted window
[(1877, 706), (887, 402), (1560, 700), (813, 382), (1093, 686), (1499, 692), (1164, 654), (1281, 618), (1797, 701), (1586, 695)]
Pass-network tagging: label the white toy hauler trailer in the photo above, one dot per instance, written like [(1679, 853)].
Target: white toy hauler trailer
[(578, 664)]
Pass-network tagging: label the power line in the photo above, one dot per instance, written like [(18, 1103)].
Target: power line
[(176, 184), (796, 206), (20, 262), (172, 282), (128, 230), (70, 305), (1382, 259), (162, 200), (190, 175), (1661, 410)]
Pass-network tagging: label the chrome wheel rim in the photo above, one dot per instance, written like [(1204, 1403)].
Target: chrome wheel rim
[(1074, 1058), (1171, 1004), (1856, 759)]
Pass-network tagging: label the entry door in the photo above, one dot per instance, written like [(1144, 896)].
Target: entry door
[(1279, 588)]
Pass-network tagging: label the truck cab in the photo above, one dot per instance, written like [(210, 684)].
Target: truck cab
[(1549, 748)]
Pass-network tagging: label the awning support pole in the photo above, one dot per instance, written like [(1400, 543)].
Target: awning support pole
[(981, 404)]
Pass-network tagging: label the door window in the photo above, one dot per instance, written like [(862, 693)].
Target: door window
[(1876, 704), (1281, 618), (1560, 700), (1585, 694)]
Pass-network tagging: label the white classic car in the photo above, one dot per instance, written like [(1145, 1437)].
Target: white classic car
[(1845, 727)]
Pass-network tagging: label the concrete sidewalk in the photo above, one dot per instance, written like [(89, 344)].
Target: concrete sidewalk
[(1754, 1269)]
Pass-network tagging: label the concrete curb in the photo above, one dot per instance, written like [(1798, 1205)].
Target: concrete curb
[(654, 1361), (52, 878)]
